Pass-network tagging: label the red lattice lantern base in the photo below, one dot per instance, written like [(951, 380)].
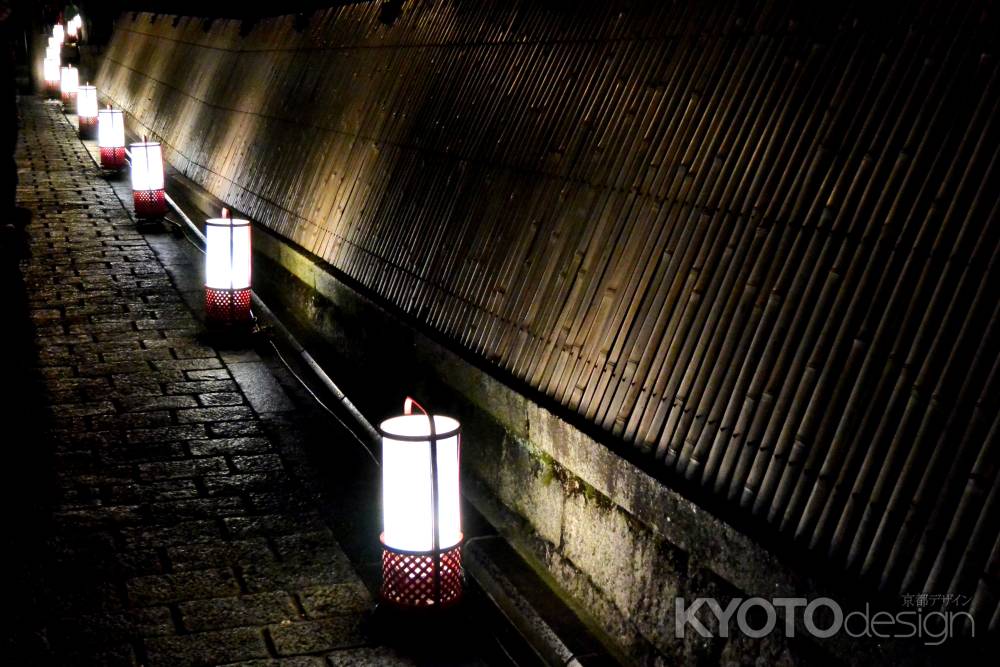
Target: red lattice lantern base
[(149, 203), (69, 102), (408, 578), (113, 157), (227, 307), (52, 90), (88, 127)]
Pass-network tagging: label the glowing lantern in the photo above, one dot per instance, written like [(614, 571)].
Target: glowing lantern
[(73, 28), (53, 78), (147, 180), (227, 270), (59, 33), (111, 138), (422, 526), (86, 111), (69, 81)]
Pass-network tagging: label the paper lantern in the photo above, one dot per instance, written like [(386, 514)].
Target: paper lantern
[(422, 527), (53, 78), (111, 138), (227, 271), (59, 33), (86, 111), (69, 82), (147, 180), (73, 29)]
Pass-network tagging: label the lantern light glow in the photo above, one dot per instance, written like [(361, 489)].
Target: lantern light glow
[(86, 111), (147, 180), (227, 270), (69, 84), (53, 78), (111, 138), (422, 527)]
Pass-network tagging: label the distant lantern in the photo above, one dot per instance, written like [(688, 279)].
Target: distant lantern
[(422, 527), (69, 83), (72, 29), (111, 138), (53, 78), (59, 33), (227, 271), (86, 111), (147, 180)]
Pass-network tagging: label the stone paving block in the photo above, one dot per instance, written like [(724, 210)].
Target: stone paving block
[(215, 465), (206, 648), (335, 599), (146, 403), (312, 636), (368, 657), (220, 399), (247, 610), (205, 415), (304, 575), (173, 489), (240, 483), (298, 661), (228, 446), (186, 532), (196, 508), (161, 589), (214, 554), (256, 463), (195, 386), (235, 429), (271, 524), (184, 432)]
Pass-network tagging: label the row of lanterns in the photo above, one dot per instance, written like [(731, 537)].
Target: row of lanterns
[(422, 534)]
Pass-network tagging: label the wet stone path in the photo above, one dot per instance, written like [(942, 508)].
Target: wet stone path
[(160, 525)]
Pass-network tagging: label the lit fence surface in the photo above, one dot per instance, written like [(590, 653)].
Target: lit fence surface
[(755, 243)]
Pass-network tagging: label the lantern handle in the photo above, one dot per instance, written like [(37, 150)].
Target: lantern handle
[(408, 407)]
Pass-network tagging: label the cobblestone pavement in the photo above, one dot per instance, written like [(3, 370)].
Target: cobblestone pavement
[(171, 532)]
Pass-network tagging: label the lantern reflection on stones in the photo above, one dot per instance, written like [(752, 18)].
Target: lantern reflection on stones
[(227, 271), (147, 180), (86, 111), (111, 138), (422, 528), (69, 82)]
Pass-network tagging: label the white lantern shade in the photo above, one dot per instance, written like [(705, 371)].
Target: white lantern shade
[(86, 102), (71, 27), (110, 128), (59, 33), (69, 80), (147, 166), (407, 500), (227, 254), (50, 67)]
